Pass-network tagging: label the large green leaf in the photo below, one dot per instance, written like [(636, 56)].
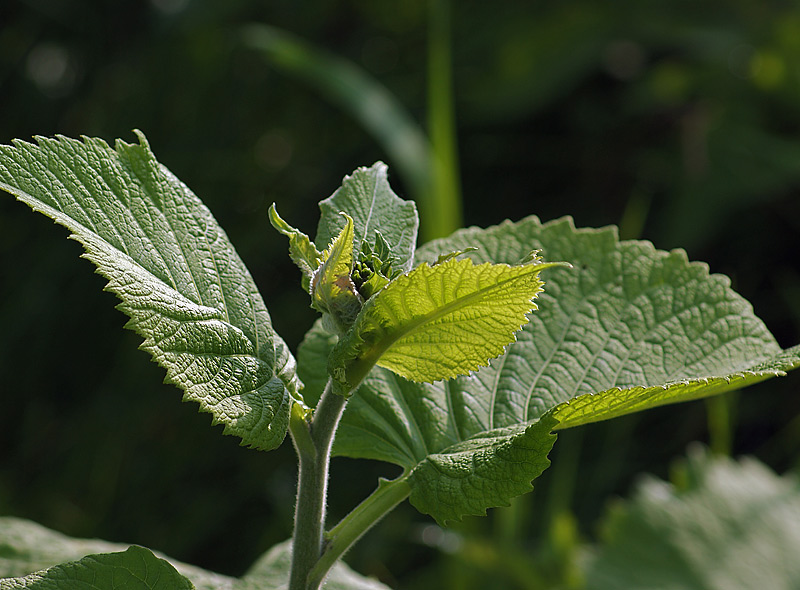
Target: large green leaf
[(630, 327), (367, 197), (135, 568), (724, 524), (187, 292), (634, 323)]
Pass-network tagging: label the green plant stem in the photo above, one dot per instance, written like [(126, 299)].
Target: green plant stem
[(720, 411), (312, 485), (388, 495), (445, 214)]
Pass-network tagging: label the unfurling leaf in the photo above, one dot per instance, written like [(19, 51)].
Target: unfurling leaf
[(301, 249), (375, 267), (332, 290)]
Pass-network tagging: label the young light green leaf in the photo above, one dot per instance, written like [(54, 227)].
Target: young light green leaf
[(135, 568), (644, 326), (724, 524), (332, 290), (437, 322), (301, 249), (185, 289), (367, 197)]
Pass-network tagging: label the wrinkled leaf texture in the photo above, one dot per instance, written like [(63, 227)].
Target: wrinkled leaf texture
[(442, 321), (365, 195), (185, 289)]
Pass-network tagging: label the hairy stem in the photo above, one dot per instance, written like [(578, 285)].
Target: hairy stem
[(388, 495), (312, 485)]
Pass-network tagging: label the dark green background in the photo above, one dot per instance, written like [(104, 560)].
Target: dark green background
[(679, 119)]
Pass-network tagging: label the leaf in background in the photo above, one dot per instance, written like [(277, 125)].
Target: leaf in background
[(367, 197), (274, 566), (185, 289), (437, 322), (135, 568), (28, 547), (726, 524), (639, 326)]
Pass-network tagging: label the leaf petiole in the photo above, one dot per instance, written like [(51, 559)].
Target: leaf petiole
[(350, 529)]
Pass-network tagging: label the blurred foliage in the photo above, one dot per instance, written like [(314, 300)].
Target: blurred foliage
[(678, 120)]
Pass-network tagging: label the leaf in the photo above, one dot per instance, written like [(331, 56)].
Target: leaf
[(367, 197), (185, 289), (437, 322), (635, 326), (271, 572), (639, 326), (482, 471), (135, 568), (726, 524), (453, 470)]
